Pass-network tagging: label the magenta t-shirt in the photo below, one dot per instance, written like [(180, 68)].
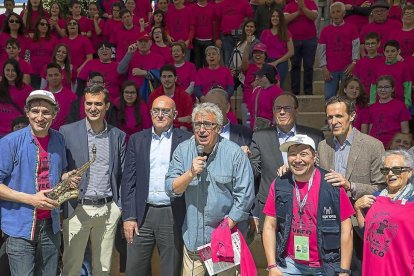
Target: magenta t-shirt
[(362, 116), (165, 52), (109, 27), (186, 74), (24, 45), (41, 53), (145, 62), (248, 88), (35, 17), (65, 98), (19, 96), (338, 41), (95, 38), (276, 48), (65, 81), (265, 100), (309, 219), (365, 70), (208, 78), (62, 24), (180, 23), (107, 5), (130, 127), (43, 181), (7, 113), (122, 38), (386, 119), (406, 41), (25, 67), (79, 48), (389, 238), (142, 8), (395, 13), (301, 28), (83, 22), (204, 20), (232, 13), (355, 19), (383, 30)]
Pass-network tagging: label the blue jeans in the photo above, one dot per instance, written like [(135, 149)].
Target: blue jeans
[(293, 268), (304, 51), (39, 256), (331, 87)]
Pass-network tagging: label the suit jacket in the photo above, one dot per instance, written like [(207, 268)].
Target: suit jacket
[(77, 152), (135, 181), (240, 135), (267, 159), (364, 161)]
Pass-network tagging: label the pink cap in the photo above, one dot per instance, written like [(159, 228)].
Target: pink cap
[(144, 36), (260, 47)]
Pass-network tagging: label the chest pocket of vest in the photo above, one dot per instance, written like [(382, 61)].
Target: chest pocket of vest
[(331, 237), (282, 203)]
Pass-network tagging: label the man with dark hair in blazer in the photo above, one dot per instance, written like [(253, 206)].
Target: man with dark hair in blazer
[(266, 157), (149, 215), (94, 215)]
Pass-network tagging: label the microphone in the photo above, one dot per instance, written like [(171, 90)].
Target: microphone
[(200, 150)]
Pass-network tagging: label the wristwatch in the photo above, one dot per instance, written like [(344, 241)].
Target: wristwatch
[(347, 271), (269, 267)]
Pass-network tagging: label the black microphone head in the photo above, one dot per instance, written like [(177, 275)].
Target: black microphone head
[(200, 150)]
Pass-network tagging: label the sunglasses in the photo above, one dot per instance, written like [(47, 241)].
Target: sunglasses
[(395, 170), (14, 21)]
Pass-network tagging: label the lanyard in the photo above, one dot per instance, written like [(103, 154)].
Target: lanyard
[(302, 203)]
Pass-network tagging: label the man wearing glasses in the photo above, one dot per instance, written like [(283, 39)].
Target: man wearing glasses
[(149, 216), (353, 159), (215, 177), (266, 157)]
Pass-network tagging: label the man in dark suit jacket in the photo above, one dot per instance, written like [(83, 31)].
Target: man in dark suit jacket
[(266, 157), (149, 215), (96, 213)]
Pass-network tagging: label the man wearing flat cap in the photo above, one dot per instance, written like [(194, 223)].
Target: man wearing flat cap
[(32, 162), (310, 216)]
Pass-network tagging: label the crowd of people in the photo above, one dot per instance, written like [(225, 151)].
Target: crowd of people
[(127, 106)]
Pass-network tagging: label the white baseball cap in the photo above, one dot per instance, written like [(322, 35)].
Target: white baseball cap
[(43, 95), (299, 139)]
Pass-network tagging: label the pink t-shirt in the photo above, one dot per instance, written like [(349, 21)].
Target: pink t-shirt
[(65, 98), (24, 45), (301, 28), (362, 116), (62, 24), (95, 38), (365, 70), (145, 62), (309, 219), (7, 113), (41, 53), (338, 41), (25, 67), (109, 27), (399, 71), (231, 14), (386, 119), (204, 21), (208, 78), (79, 48), (406, 41), (107, 5), (389, 239), (383, 30), (19, 95), (186, 74), (180, 23), (165, 52), (122, 38), (142, 8), (357, 20), (276, 48), (3, 18), (43, 181), (395, 13), (65, 80), (248, 88), (34, 18), (130, 126), (83, 22), (266, 98), (113, 80)]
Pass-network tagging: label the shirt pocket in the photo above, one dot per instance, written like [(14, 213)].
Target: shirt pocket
[(223, 184)]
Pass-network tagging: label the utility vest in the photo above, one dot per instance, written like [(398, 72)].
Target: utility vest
[(328, 221)]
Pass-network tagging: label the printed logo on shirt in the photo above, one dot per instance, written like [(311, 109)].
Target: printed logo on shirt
[(308, 225), (382, 233), (328, 213)]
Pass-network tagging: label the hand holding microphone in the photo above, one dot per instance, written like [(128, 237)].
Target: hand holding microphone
[(198, 162)]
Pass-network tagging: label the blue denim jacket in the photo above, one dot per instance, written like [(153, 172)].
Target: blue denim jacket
[(18, 166), (224, 188)]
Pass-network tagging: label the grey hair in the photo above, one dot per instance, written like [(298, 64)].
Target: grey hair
[(219, 91), (208, 108), (408, 160), (340, 4), (214, 48), (28, 106)]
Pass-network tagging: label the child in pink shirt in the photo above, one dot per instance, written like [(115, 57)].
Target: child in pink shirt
[(75, 8), (96, 25), (57, 23)]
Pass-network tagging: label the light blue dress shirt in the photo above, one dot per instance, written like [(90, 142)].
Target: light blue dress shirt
[(283, 138)]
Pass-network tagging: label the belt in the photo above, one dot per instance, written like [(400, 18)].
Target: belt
[(95, 201), (158, 206)]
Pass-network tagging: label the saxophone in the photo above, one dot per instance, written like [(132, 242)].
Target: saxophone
[(63, 191)]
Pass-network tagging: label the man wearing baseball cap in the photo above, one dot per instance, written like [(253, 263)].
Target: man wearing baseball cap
[(311, 218), (32, 162)]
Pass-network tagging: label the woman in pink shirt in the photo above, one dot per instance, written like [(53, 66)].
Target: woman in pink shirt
[(186, 70), (14, 28), (354, 90), (157, 20), (159, 45), (41, 48), (133, 114), (279, 44), (31, 14), (96, 24), (57, 23)]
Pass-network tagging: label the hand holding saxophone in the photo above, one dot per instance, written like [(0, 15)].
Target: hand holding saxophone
[(74, 180), (40, 201)]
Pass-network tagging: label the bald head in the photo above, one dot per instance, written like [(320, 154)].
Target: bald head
[(167, 102), (163, 114)]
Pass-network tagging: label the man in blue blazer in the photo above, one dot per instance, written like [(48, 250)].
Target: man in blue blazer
[(95, 214), (149, 215)]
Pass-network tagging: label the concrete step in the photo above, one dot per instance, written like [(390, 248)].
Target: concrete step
[(311, 103), (317, 87), (311, 119)]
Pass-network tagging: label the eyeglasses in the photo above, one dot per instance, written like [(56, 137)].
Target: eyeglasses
[(165, 112), (207, 125), (103, 48), (409, 13), (395, 170), (386, 87), (371, 44), (286, 108), (14, 21), (93, 82), (73, 23)]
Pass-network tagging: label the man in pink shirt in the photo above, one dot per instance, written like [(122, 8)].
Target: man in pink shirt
[(307, 218), (300, 16)]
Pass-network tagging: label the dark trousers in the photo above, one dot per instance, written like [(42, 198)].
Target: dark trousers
[(304, 51), (199, 47), (158, 228)]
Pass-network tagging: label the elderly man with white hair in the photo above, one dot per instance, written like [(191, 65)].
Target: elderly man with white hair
[(216, 177)]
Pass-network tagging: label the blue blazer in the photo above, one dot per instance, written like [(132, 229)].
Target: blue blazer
[(135, 181), (77, 154)]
